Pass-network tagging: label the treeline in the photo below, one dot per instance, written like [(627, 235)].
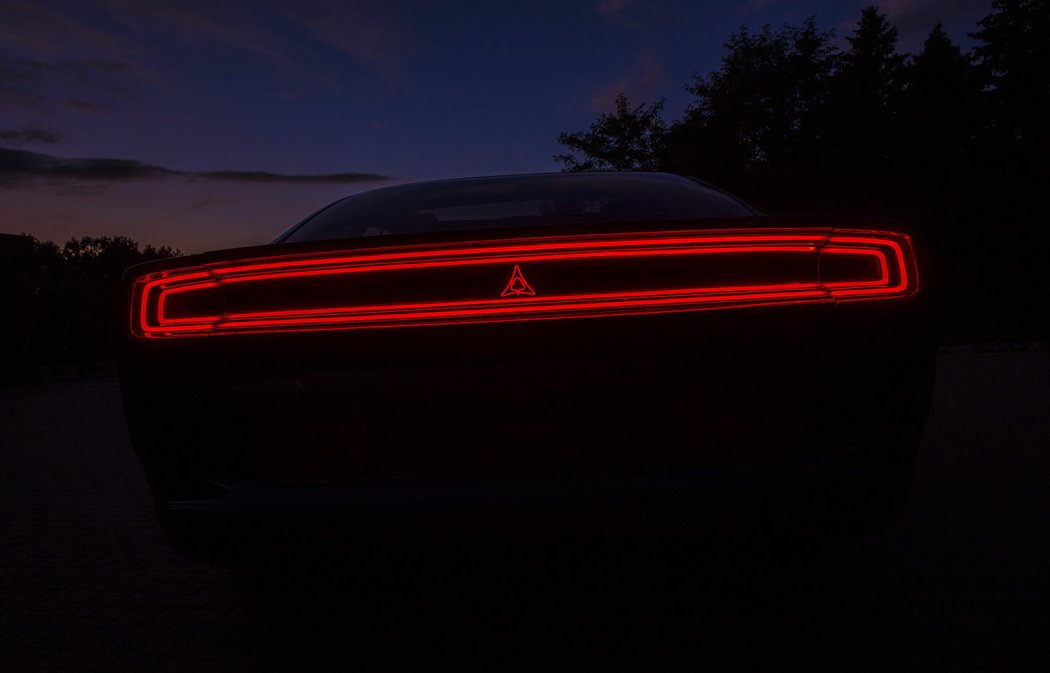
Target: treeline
[(955, 141), (60, 302)]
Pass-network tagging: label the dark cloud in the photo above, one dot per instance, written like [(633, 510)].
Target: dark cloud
[(610, 7), (273, 31), (638, 84), (915, 19), (29, 135), (39, 85), (22, 165), (78, 104), (263, 176)]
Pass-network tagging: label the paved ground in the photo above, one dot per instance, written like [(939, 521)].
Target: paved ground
[(960, 584)]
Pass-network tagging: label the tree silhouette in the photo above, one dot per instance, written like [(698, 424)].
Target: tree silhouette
[(863, 134), (766, 94), (629, 139), (760, 115), (75, 290), (812, 62), (956, 142), (105, 257), (939, 115), (1014, 52)]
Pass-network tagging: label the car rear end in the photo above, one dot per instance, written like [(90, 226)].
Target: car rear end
[(676, 375)]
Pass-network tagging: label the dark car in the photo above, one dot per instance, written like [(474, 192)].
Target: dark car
[(536, 354)]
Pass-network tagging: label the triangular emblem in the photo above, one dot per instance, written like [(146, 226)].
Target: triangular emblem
[(517, 286)]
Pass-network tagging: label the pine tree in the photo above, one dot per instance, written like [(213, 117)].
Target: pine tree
[(939, 113), (1014, 52), (864, 134)]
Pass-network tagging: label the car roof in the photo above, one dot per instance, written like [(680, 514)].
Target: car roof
[(556, 176)]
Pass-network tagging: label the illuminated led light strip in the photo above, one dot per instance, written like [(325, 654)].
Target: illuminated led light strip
[(884, 269), (565, 303), (644, 308), (904, 283), (164, 293), (154, 323), (167, 279), (515, 259), (710, 294), (410, 313), (518, 250)]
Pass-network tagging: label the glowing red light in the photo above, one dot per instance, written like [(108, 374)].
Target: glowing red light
[(517, 285), (891, 252)]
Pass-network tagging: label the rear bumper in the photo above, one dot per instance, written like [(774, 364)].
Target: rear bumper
[(255, 522)]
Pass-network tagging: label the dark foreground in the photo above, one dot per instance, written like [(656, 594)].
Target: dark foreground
[(961, 583)]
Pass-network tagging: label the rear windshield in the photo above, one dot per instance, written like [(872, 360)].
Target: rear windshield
[(534, 200)]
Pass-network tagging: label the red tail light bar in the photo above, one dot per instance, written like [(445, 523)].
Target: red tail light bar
[(261, 295)]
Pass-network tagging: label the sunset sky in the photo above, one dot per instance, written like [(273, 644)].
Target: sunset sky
[(246, 116)]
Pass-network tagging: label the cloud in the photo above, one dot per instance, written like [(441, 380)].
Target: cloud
[(50, 32), (18, 166), (942, 8), (610, 7), (55, 54), (28, 84), (262, 29), (130, 33), (29, 135), (638, 83), (357, 31), (263, 176), (236, 25), (915, 18), (78, 104)]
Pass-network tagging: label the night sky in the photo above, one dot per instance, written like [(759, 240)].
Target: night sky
[(406, 90)]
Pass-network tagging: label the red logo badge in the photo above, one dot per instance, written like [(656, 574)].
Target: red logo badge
[(517, 286)]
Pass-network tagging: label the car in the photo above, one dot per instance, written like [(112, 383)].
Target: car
[(567, 354)]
